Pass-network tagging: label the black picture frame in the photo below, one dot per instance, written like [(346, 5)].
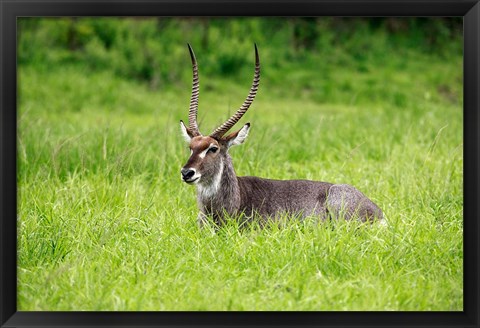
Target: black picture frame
[(10, 10)]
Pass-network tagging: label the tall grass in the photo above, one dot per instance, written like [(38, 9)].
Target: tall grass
[(104, 222)]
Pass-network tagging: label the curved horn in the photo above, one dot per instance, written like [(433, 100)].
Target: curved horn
[(192, 112), (222, 129)]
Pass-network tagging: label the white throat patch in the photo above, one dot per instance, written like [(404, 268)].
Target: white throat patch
[(211, 189)]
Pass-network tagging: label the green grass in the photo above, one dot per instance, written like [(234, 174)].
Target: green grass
[(104, 222)]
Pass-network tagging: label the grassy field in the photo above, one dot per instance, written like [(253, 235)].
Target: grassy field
[(105, 223)]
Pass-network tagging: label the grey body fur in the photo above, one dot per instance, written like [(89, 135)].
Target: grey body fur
[(264, 199)]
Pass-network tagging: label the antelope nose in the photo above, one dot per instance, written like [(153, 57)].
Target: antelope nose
[(187, 173)]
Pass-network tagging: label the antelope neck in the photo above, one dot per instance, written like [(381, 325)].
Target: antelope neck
[(224, 184)]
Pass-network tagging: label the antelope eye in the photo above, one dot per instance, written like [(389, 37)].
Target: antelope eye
[(212, 150)]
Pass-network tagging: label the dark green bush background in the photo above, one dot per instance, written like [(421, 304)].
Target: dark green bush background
[(145, 48)]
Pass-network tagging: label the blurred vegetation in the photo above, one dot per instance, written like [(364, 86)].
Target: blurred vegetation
[(146, 49)]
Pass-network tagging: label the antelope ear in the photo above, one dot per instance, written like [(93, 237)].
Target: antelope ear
[(237, 138), (187, 134)]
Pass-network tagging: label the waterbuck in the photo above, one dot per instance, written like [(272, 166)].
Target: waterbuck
[(221, 194)]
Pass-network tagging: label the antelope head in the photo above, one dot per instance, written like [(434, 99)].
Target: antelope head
[(207, 152)]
